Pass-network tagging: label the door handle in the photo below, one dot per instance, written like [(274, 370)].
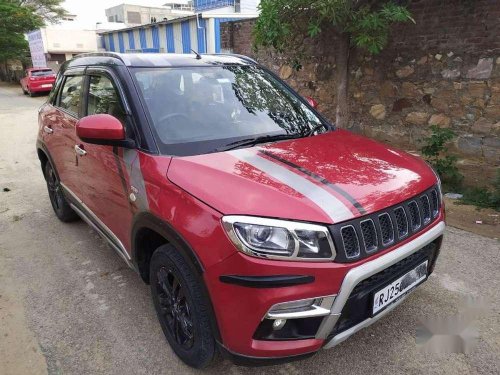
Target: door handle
[(48, 130), (80, 151)]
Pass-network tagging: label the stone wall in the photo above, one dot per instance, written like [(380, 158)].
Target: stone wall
[(444, 70)]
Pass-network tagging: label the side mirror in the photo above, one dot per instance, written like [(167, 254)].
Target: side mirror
[(313, 103), (102, 129)]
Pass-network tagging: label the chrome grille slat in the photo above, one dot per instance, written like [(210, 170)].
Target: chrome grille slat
[(386, 228), (401, 222), (350, 241), (369, 235), (361, 237), (435, 203), (426, 209), (415, 219)]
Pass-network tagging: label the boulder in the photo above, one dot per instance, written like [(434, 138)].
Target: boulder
[(450, 73), (286, 72), (482, 70), (405, 71), (378, 111), (440, 119), (417, 118)]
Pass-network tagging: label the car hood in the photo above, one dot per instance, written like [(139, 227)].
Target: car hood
[(327, 178)]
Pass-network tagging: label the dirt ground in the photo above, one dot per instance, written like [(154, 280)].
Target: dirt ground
[(69, 305), (485, 222)]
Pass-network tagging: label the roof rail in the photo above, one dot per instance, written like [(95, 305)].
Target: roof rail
[(101, 54), (242, 57)]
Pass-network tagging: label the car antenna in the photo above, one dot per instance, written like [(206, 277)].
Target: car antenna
[(198, 56)]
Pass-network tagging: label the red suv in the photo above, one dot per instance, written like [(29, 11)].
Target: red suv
[(37, 80), (264, 232)]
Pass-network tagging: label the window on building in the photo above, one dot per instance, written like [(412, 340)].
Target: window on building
[(103, 98), (71, 94), (134, 17)]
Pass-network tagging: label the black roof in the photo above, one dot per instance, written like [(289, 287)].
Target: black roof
[(150, 60)]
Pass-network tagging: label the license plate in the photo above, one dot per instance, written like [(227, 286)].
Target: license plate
[(398, 288), (47, 85)]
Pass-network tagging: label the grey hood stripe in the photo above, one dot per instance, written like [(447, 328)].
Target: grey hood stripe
[(331, 205)]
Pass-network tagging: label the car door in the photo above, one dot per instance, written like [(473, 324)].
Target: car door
[(59, 129), (105, 170)]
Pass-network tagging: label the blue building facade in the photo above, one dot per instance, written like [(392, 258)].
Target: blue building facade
[(175, 36)]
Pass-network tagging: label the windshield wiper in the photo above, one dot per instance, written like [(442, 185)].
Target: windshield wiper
[(257, 140), (311, 132)]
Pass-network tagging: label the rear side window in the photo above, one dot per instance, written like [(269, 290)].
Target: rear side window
[(70, 96), (103, 98)]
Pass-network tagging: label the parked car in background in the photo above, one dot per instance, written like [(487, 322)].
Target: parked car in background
[(265, 232), (37, 80)]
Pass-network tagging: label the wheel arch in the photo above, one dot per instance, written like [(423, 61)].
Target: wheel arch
[(44, 157), (150, 232)]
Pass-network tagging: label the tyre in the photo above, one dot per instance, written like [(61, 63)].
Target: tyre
[(24, 91), (30, 94), (181, 307), (59, 203)]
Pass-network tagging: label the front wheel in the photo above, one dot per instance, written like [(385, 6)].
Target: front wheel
[(181, 307)]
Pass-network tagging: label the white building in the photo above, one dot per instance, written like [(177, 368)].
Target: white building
[(52, 45), (134, 15)]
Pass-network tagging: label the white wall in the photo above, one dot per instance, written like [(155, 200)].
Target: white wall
[(58, 40)]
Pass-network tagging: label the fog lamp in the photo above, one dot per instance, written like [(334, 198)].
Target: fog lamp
[(278, 324)]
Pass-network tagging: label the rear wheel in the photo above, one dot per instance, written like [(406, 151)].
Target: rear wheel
[(59, 203), (181, 307)]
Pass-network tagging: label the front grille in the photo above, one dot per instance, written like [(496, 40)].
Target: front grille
[(361, 237), (358, 306)]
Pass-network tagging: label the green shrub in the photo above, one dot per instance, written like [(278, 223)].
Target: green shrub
[(444, 165), (482, 197)]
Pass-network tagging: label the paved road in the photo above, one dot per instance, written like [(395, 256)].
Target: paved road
[(68, 304)]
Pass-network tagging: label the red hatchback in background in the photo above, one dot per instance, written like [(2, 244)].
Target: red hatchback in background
[(265, 232), (38, 80)]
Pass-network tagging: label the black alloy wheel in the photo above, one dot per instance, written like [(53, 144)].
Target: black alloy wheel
[(59, 203), (175, 307)]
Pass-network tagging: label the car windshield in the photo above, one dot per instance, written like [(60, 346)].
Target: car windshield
[(199, 110), (42, 73)]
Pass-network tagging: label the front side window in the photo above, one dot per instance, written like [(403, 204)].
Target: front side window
[(198, 110), (55, 88), (103, 98), (70, 96)]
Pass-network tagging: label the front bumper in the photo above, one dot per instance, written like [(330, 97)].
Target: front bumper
[(240, 309)]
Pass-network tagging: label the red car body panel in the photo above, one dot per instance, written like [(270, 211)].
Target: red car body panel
[(375, 175), (34, 84), (295, 180)]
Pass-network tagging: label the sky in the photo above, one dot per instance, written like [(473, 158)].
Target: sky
[(91, 11)]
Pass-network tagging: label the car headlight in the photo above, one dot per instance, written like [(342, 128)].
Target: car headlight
[(280, 239)]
